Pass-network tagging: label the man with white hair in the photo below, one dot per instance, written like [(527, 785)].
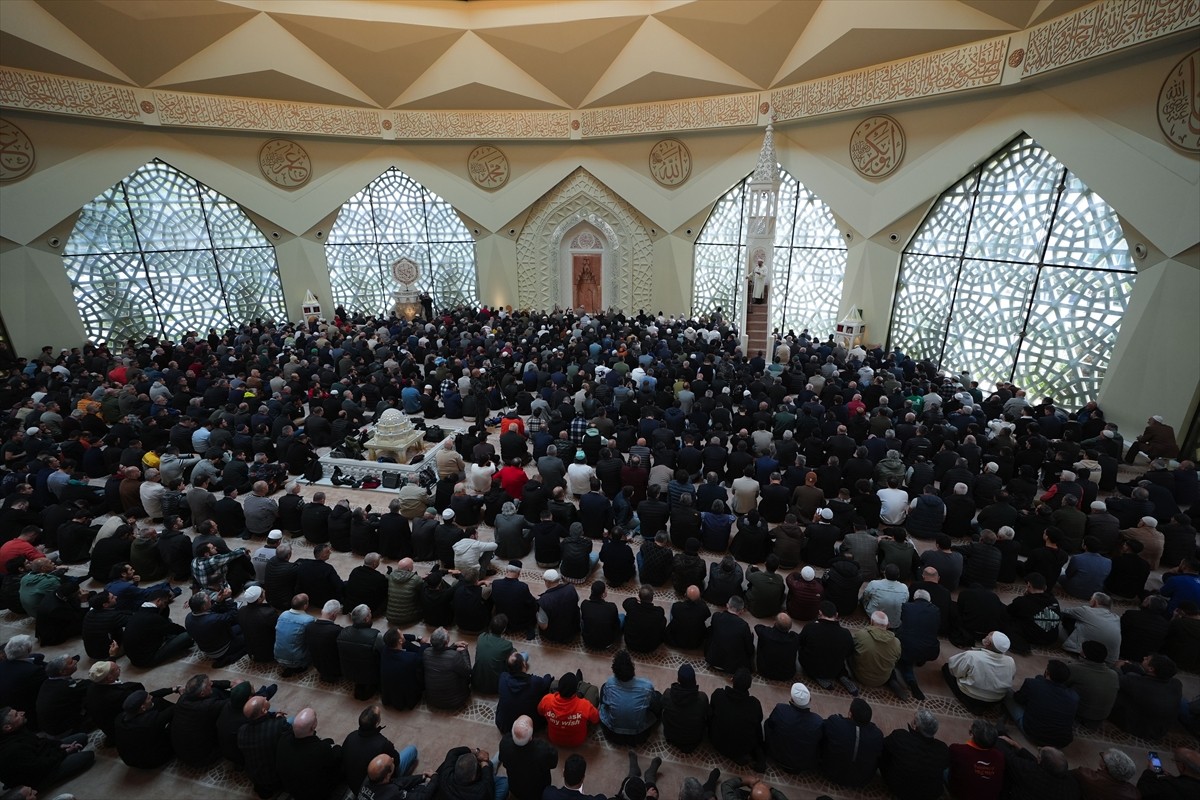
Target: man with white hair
[(1151, 538), (1113, 781), (914, 760), (309, 767), (529, 762), (980, 678), (358, 649), (151, 492), (1156, 441), (447, 672)]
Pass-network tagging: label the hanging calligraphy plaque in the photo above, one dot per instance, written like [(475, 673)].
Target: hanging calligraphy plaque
[(16, 152), (488, 167), (670, 162), (1179, 104), (877, 146), (285, 163)]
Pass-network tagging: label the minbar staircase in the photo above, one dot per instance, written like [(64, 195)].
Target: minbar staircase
[(757, 329)]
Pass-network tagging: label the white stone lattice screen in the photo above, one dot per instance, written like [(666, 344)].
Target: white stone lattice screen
[(579, 198)]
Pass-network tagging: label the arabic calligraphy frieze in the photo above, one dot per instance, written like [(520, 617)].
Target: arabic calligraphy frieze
[(877, 146), (38, 92), (1179, 104), (968, 67), (711, 112), (482, 124), (1104, 27), (285, 163), (16, 152), (670, 162), (240, 113)]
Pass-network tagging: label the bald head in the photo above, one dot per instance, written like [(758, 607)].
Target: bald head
[(405, 564), (256, 707), (380, 768), (693, 593), (783, 622), (305, 724), (522, 730), (760, 792)]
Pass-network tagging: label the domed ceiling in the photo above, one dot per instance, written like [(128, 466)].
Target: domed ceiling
[(488, 54)]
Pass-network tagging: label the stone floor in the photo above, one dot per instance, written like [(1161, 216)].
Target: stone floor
[(434, 732)]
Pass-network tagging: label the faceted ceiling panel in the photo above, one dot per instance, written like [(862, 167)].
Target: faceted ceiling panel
[(519, 54)]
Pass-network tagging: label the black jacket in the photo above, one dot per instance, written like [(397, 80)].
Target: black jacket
[(258, 628), (104, 701), (601, 626), (143, 740), (735, 723), (359, 647), (194, 729), (321, 639), (175, 550), (309, 768), (688, 628), (850, 752), (319, 580), (358, 748), (368, 587), (145, 633), (912, 765), (60, 705), (101, 627), (824, 647), (730, 643), (528, 767), (314, 522), (684, 716), (482, 788), (279, 582), (656, 564), (777, 652), (645, 625)]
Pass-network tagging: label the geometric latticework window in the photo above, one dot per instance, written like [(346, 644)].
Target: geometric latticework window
[(162, 254), (1018, 273), (395, 217), (810, 259)]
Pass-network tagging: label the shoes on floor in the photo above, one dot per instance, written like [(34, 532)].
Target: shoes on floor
[(849, 685), (916, 690), (269, 690), (825, 684)]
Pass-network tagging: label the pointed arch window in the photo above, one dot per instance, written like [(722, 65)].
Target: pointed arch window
[(810, 259), (161, 254), (1019, 273), (391, 218)]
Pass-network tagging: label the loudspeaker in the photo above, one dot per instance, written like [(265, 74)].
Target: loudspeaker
[(391, 480)]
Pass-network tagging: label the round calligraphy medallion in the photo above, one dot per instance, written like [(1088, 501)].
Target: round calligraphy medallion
[(405, 271), (488, 167), (670, 162), (285, 163), (1179, 104), (877, 146), (16, 152)]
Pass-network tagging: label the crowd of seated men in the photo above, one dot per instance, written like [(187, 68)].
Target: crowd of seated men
[(627, 447)]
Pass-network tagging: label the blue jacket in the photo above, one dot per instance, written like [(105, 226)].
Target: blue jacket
[(520, 695), (629, 707), (290, 650)]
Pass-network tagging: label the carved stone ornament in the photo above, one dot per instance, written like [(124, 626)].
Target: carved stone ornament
[(488, 167), (877, 146), (16, 152), (670, 162), (285, 163), (405, 271), (1179, 104)]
